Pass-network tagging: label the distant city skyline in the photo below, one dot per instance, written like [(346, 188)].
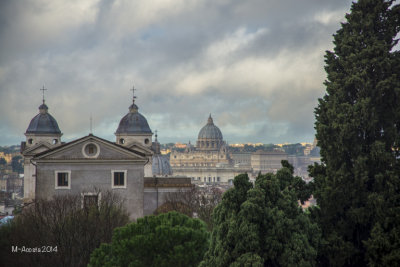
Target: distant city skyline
[(256, 66)]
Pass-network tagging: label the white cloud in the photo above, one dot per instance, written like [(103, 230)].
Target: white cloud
[(126, 17), (257, 75), (231, 43), (43, 22), (328, 17)]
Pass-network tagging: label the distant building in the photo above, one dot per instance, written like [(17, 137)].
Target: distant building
[(212, 162), (160, 163), (180, 145), (6, 157), (209, 161), (267, 161), (241, 159), (11, 183)]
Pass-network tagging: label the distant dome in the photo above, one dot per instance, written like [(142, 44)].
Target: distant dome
[(161, 166), (43, 123), (210, 131), (133, 122)]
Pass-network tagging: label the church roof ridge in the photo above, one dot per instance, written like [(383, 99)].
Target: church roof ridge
[(87, 137)]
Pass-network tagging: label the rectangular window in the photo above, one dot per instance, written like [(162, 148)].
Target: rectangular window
[(118, 178), (63, 179), (90, 201)]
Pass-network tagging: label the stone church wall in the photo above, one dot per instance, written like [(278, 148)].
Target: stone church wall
[(87, 178)]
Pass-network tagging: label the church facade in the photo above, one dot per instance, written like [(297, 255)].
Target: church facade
[(91, 165)]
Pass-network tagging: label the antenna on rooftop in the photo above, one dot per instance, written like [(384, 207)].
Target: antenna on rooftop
[(91, 124)]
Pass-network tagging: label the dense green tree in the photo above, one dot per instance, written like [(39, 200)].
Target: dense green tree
[(294, 149), (16, 164), (3, 162), (168, 239), (358, 131), (9, 149), (263, 225)]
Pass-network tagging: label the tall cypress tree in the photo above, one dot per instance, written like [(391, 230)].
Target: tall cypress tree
[(263, 225), (358, 131)]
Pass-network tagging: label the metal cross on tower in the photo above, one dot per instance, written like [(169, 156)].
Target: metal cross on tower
[(43, 89), (133, 93)]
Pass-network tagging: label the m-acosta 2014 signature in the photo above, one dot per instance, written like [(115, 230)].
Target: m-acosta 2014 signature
[(40, 249)]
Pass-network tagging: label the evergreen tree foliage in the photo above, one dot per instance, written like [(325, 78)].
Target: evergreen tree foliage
[(358, 130), (168, 239), (263, 225), (16, 164)]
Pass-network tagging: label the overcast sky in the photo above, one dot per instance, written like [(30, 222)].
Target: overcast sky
[(256, 66)]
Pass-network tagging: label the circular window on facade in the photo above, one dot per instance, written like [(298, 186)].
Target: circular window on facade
[(55, 141), (122, 141), (146, 141), (30, 141), (91, 150)]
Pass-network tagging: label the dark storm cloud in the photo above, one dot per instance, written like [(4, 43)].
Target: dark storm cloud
[(257, 66)]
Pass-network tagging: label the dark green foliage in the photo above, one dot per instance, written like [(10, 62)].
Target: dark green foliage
[(16, 164), (168, 239), (10, 149), (294, 149), (263, 225), (3, 162), (60, 222), (358, 131)]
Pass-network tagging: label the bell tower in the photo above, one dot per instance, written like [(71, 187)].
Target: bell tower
[(42, 134), (43, 127), (133, 127)]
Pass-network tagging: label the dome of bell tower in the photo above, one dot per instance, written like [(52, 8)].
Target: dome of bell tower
[(134, 127), (43, 127), (43, 123)]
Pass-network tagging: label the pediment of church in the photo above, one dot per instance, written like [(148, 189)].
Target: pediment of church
[(139, 147), (92, 148), (37, 149)]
